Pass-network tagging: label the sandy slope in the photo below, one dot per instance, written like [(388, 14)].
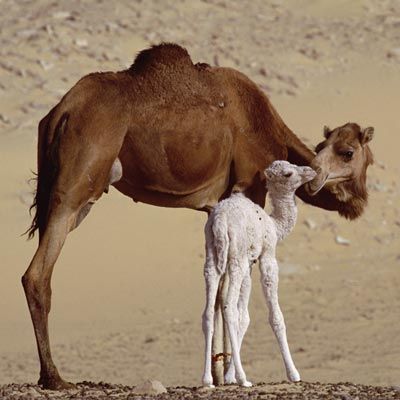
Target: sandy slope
[(128, 288)]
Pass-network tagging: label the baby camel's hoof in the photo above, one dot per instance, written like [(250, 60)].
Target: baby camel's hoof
[(230, 380), (208, 382), (294, 377), (246, 384), (208, 386)]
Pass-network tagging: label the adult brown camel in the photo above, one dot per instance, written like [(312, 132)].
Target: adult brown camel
[(173, 134)]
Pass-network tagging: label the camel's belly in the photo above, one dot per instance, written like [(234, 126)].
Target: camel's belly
[(202, 198), (175, 169)]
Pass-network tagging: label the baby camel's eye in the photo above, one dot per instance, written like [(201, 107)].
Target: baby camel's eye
[(288, 174)]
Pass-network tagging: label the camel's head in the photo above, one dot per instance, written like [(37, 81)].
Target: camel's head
[(341, 163), (285, 177)]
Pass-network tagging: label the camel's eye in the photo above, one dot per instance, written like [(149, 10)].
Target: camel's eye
[(348, 155), (288, 174)]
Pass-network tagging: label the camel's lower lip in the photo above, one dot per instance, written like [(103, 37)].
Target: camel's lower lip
[(315, 185)]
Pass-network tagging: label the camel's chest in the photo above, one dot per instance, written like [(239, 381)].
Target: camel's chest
[(261, 236)]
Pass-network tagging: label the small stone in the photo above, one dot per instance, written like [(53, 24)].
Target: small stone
[(62, 15), (310, 224), (27, 33), (81, 42), (381, 165), (150, 387), (150, 339), (394, 53), (45, 65), (392, 20), (341, 240), (4, 119)]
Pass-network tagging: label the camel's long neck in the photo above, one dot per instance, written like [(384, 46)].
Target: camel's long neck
[(298, 153), (284, 212)]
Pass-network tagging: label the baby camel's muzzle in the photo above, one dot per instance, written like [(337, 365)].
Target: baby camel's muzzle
[(308, 174)]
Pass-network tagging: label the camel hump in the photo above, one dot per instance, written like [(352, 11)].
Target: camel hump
[(161, 55)]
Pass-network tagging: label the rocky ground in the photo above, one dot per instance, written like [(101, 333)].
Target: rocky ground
[(261, 391)]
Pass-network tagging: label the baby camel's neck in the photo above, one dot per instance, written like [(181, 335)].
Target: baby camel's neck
[(284, 212)]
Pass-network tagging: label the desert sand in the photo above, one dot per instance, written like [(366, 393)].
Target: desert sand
[(128, 289)]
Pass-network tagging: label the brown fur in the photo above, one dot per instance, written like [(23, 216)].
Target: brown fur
[(186, 136), (352, 193)]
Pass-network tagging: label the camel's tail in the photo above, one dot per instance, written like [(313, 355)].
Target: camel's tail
[(48, 167), (221, 242)]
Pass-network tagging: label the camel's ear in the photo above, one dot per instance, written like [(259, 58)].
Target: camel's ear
[(366, 135), (327, 132), (268, 174)]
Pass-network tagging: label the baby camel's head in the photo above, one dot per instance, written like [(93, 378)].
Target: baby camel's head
[(285, 177)]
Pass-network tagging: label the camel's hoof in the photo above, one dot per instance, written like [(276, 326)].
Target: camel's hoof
[(246, 384), (230, 380), (208, 382), (294, 377), (55, 384), (209, 386)]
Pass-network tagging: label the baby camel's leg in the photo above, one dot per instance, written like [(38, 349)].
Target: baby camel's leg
[(212, 279), (244, 321), (231, 315), (269, 280)]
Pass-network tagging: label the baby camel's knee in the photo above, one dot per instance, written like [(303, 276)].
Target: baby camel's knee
[(276, 321), (244, 320), (230, 311), (208, 320)]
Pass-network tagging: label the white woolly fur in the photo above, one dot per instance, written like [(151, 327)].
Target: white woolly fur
[(239, 233)]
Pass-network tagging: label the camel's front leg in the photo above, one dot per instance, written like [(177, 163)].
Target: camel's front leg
[(269, 280)]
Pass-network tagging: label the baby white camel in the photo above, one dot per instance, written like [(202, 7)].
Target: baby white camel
[(238, 233)]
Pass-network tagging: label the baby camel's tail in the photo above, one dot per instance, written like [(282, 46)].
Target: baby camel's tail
[(221, 242)]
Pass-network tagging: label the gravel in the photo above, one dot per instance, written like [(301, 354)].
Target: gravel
[(276, 391)]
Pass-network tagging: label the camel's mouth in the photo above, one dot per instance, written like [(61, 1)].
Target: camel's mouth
[(314, 186), (309, 175), (322, 180)]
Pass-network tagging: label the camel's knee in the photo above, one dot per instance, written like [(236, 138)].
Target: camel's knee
[(245, 320), (230, 312), (208, 320), (277, 321)]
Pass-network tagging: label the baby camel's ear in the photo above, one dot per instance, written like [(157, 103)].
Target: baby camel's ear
[(327, 132)]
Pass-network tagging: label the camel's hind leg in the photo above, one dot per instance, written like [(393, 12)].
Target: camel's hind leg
[(36, 282), (78, 185), (244, 321)]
